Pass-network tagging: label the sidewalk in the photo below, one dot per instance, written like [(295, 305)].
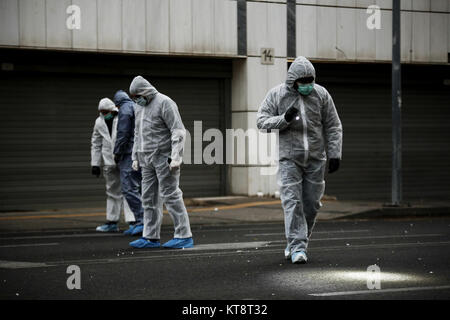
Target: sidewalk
[(221, 210)]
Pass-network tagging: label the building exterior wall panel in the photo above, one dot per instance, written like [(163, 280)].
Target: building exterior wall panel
[(86, 37), (32, 23), (133, 25), (9, 22)]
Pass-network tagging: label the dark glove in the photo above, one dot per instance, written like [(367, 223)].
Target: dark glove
[(333, 166), (290, 114), (96, 171), (117, 158)]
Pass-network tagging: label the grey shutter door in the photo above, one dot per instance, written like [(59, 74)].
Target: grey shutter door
[(362, 95), (198, 100), (46, 125)]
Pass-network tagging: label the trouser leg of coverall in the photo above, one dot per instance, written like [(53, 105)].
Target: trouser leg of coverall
[(151, 202), (114, 200), (128, 213), (313, 190), (131, 183), (172, 197), (290, 180)]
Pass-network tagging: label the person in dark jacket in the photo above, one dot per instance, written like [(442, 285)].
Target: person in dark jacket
[(130, 179)]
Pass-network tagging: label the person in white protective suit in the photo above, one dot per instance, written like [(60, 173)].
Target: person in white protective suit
[(158, 150), (102, 145), (309, 130)]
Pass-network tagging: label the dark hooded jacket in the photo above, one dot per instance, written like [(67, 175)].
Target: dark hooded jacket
[(125, 126)]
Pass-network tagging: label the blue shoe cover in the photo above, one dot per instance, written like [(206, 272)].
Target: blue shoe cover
[(129, 230), (145, 243), (137, 230), (108, 228), (179, 243)]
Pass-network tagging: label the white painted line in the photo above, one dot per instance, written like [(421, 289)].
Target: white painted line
[(264, 234), (229, 246), (383, 245), (317, 232), (29, 245), (382, 237), (170, 254), (79, 235), (52, 231), (346, 293), (21, 264), (371, 237)]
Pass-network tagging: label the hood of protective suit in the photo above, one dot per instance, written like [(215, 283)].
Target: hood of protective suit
[(317, 133), (300, 68), (107, 104), (141, 87), (121, 97)]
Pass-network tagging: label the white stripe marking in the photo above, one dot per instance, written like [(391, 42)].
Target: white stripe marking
[(317, 232), (230, 246), (29, 245), (21, 265), (82, 235), (381, 237), (372, 237), (346, 293)]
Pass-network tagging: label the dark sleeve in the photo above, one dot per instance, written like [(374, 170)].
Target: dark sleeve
[(125, 128)]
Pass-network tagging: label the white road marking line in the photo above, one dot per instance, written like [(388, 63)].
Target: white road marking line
[(21, 264), (217, 246), (382, 246), (106, 235), (383, 237), (29, 245), (317, 232), (372, 237), (116, 234), (230, 246), (82, 235), (346, 293), (280, 248)]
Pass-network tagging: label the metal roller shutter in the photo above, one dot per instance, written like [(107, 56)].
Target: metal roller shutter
[(47, 120), (362, 95)]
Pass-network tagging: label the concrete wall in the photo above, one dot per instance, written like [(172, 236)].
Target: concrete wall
[(194, 27), (266, 28), (251, 81), (326, 29), (331, 29)]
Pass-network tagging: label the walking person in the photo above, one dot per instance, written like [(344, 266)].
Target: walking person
[(310, 131)]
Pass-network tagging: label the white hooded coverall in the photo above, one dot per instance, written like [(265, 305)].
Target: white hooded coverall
[(102, 146), (304, 145), (159, 138)]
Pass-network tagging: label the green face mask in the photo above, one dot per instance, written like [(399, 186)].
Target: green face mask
[(142, 101), (109, 116), (305, 89)]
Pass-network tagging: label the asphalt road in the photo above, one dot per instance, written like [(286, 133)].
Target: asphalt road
[(234, 262)]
